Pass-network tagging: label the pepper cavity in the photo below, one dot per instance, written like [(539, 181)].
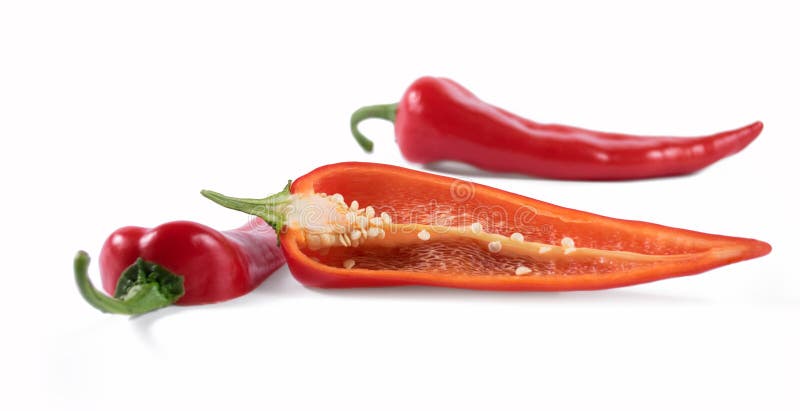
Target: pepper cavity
[(330, 230), (327, 221)]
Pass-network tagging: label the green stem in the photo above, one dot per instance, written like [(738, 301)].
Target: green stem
[(94, 297), (384, 111), (142, 287), (269, 209)]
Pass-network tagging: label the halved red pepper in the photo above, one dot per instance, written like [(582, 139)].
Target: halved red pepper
[(408, 227), (438, 119)]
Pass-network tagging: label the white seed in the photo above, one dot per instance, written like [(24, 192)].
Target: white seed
[(349, 263), (337, 198), (476, 228), (386, 217), (314, 242), (362, 221), (545, 248), (495, 246), (382, 234), (522, 270), (344, 239), (376, 221), (354, 205), (517, 237), (355, 235), (350, 217), (327, 239), (568, 244), (373, 232), (424, 235), (370, 212)]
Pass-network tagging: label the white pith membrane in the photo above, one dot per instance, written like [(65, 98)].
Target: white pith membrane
[(354, 237)]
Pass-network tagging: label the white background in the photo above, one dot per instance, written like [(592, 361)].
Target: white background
[(118, 113)]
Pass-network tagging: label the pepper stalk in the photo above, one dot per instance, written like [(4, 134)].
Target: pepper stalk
[(387, 112), (142, 288), (270, 209)]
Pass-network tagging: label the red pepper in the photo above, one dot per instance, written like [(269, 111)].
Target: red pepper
[(214, 265), (438, 119), (409, 227)]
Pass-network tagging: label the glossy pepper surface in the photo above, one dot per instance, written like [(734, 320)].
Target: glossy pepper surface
[(216, 265), (405, 227), (212, 265), (438, 119)]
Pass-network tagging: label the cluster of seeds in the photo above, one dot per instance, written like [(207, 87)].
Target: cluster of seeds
[(350, 226)]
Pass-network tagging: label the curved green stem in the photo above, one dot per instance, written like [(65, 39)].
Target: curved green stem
[(94, 297), (142, 287), (269, 209), (384, 111)]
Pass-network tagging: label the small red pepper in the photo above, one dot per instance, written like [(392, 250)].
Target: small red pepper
[(438, 119), (142, 267), (408, 227)]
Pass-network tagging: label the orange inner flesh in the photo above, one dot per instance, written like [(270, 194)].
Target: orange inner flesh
[(602, 245)]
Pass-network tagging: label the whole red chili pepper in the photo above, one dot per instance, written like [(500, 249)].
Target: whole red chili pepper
[(407, 227), (438, 119), (180, 262)]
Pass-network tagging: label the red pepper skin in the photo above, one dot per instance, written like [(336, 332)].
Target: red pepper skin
[(379, 184), (216, 265), (438, 119)]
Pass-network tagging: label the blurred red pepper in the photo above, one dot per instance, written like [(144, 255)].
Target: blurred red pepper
[(438, 119), (142, 268)]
